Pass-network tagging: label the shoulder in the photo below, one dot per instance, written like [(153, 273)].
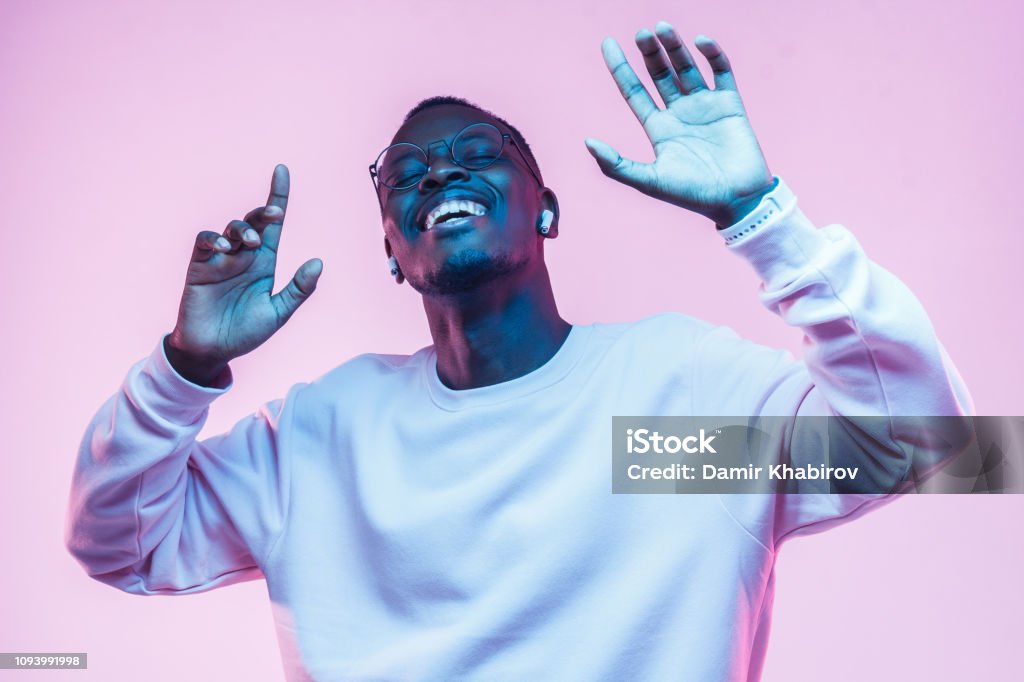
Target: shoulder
[(662, 329), (365, 375), (650, 344), (375, 367)]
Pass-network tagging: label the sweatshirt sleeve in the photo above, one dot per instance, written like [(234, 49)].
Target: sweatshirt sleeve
[(154, 511), (869, 351)]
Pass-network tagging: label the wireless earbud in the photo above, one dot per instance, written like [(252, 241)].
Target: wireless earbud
[(546, 218), (393, 265)]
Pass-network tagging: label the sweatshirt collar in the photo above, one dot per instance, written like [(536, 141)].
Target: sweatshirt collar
[(554, 370)]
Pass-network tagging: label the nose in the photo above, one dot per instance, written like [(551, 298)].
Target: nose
[(442, 169)]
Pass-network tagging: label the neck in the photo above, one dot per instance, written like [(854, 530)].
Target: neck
[(497, 333)]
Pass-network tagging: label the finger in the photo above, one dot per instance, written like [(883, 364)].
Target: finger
[(208, 243), (628, 172), (280, 186), (636, 95), (658, 66), (241, 235), (295, 293), (690, 78), (261, 216), (724, 79)]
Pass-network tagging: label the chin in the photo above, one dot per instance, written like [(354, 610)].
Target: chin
[(464, 271)]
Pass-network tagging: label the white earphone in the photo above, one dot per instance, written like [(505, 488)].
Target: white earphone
[(393, 265), (546, 218)]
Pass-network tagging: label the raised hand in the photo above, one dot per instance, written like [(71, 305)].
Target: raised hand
[(228, 308), (707, 158)]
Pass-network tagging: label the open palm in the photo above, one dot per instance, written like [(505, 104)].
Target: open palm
[(707, 158)]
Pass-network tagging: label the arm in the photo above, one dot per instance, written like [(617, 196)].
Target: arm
[(152, 510), (870, 347), (871, 350)]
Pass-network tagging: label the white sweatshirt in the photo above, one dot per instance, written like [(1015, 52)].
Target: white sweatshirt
[(408, 531)]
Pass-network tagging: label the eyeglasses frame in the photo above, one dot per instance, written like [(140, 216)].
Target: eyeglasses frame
[(505, 137)]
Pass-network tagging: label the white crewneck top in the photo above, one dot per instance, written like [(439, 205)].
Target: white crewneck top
[(408, 531)]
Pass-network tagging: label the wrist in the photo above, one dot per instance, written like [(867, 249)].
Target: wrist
[(737, 209), (198, 370), (776, 206)]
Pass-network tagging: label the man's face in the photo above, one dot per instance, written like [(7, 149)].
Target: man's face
[(454, 256)]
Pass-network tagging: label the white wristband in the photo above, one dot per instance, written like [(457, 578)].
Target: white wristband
[(772, 207)]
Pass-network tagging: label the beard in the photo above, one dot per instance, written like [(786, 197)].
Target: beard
[(466, 271)]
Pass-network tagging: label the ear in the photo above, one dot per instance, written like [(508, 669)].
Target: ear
[(387, 251), (549, 201)]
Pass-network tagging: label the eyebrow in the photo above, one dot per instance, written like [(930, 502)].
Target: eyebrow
[(400, 154), (450, 136)]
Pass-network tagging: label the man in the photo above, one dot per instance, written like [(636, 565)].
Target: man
[(448, 514)]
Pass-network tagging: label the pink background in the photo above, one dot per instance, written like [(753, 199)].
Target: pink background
[(126, 127)]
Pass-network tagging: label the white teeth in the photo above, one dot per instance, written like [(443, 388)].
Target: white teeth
[(452, 206)]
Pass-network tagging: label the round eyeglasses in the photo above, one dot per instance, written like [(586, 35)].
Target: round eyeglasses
[(475, 147)]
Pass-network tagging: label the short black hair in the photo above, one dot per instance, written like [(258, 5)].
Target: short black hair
[(439, 100)]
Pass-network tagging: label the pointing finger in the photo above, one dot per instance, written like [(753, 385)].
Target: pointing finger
[(636, 95), (280, 186)]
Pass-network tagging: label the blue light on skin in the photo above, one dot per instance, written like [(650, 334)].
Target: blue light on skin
[(486, 289)]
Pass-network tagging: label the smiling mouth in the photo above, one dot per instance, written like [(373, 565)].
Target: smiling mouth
[(452, 213)]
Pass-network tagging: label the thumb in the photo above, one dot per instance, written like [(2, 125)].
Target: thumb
[(295, 293), (612, 164)]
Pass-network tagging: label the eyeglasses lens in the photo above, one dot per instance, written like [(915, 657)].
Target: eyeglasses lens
[(477, 146), (402, 165)]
